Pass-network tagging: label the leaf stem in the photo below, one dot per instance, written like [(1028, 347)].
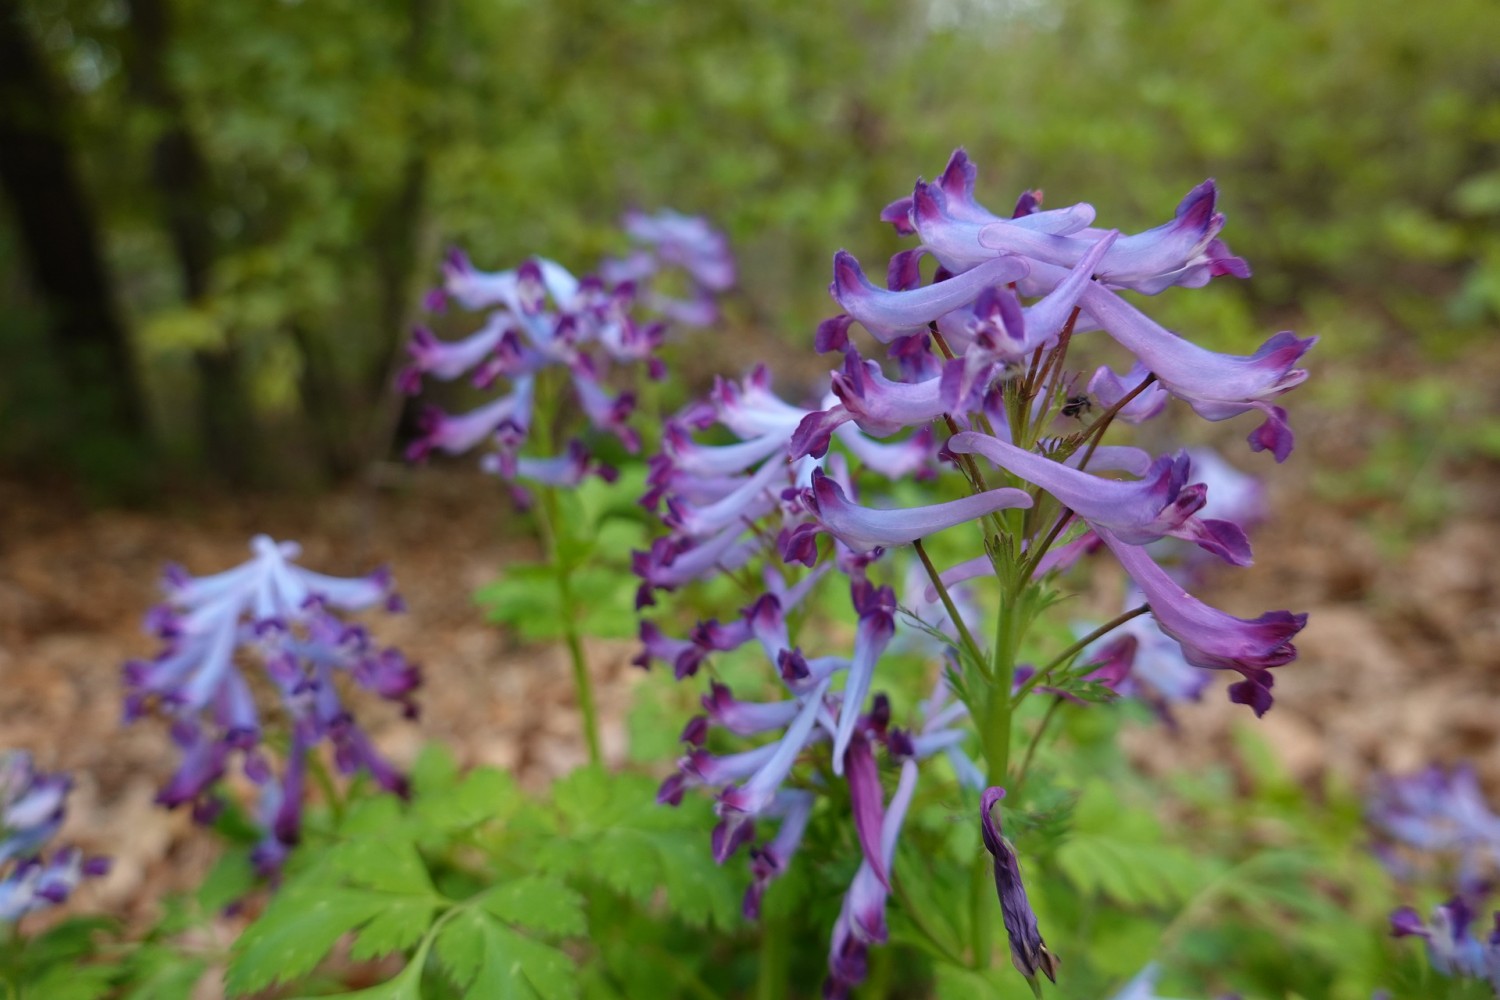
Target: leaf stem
[(964, 635), (550, 524), (1074, 649)]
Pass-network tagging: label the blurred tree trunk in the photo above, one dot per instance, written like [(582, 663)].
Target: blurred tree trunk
[(64, 253), (180, 175), (360, 434)]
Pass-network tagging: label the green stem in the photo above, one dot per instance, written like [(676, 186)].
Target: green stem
[(775, 956), (981, 907), (568, 608), (325, 784), (1074, 649), (1034, 558), (919, 921), (964, 635), (1095, 432), (1036, 741)]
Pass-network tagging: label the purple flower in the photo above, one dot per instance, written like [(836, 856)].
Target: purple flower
[(891, 314), (1152, 662), (877, 624), (688, 242), (543, 317), (866, 528), (770, 862), (861, 920), (1216, 386), (1028, 952), (1452, 947), (273, 613), (31, 805), (1209, 637), (1108, 389), (31, 812), (949, 220), (1185, 251), (1440, 811), (1138, 512), (740, 804), (952, 225)]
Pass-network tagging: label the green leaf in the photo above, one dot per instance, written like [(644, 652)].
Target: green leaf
[(538, 903), (484, 794), (391, 866), (487, 959), (400, 924), (163, 973), (299, 927), (614, 831), (72, 982), (231, 878)]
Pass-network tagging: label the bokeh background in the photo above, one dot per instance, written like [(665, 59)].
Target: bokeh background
[(218, 219)]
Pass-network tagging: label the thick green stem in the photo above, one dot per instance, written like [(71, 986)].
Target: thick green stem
[(981, 910), (568, 611), (775, 957)]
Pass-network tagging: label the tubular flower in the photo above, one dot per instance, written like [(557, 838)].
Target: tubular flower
[(1151, 662), (31, 812), (1209, 637), (1440, 811), (866, 528), (1138, 512), (1453, 949), (1216, 386), (861, 920), (890, 314), (273, 613), (1185, 251), (542, 317), (1028, 952), (718, 498)]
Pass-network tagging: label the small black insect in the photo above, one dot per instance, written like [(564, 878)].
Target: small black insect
[(1077, 406)]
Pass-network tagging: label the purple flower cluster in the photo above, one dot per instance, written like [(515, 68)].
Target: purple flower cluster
[(31, 813), (545, 329), (785, 498), (1453, 946), (279, 621), (1438, 814)]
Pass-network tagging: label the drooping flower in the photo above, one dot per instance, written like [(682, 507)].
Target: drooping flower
[(1440, 811), (1028, 952), (282, 618), (541, 317), (1216, 386), (1210, 637), (1163, 503), (861, 920), (1453, 947), (32, 804)]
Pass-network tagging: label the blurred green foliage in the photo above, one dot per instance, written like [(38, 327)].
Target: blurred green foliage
[(346, 143)]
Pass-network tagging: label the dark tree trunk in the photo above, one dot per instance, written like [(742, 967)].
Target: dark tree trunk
[(180, 175), (396, 237), (63, 248)]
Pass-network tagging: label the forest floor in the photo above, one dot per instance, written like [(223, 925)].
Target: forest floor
[(1399, 665)]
